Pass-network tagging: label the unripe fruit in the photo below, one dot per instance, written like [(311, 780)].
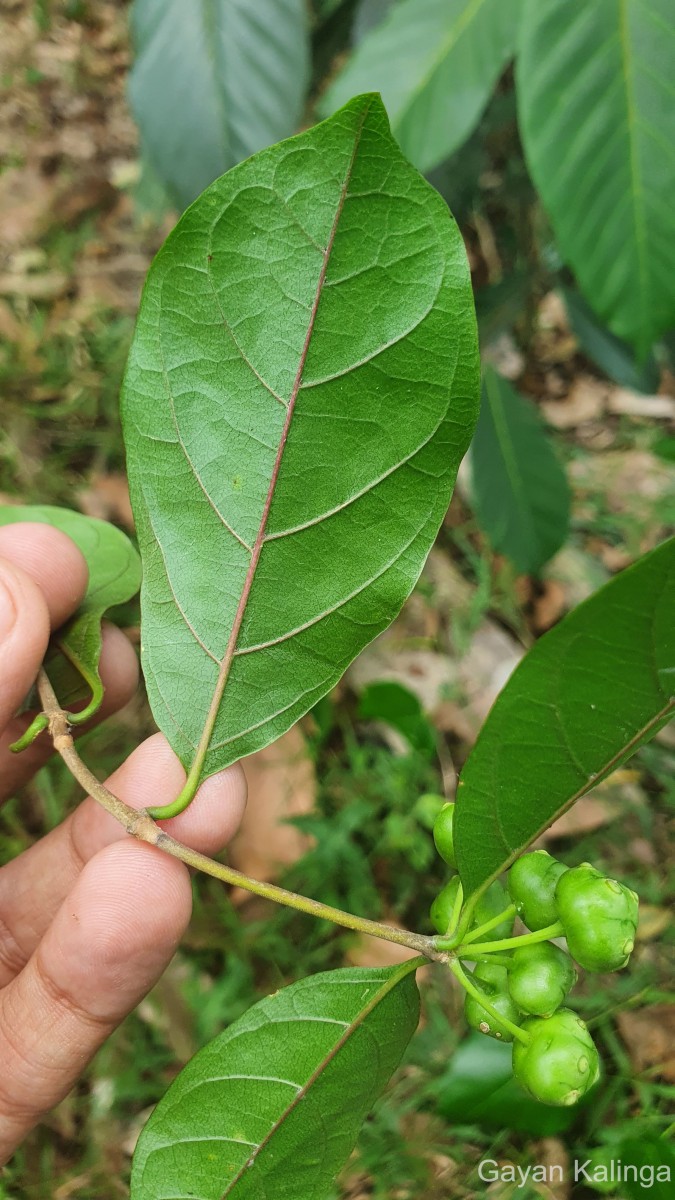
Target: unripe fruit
[(599, 917), (443, 906), (540, 976), (479, 1018), (492, 975), (443, 835), (490, 904), (560, 1063), (532, 883)]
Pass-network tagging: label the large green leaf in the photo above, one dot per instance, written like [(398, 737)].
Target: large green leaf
[(435, 63), (608, 352), (478, 1088), (519, 488), (214, 81), (584, 698), (114, 577), (300, 391), (597, 117), (273, 1106)]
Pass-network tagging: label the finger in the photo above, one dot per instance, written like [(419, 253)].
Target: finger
[(119, 672), (106, 948), (53, 562), (33, 886), (42, 558)]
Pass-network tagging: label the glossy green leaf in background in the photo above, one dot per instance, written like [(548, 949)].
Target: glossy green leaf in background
[(478, 1088), (435, 63), (213, 82), (390, 702), (585, 697), (519, 488), (273, 1106), (300, 391), (114, 577), (597, 117), (613, 357)]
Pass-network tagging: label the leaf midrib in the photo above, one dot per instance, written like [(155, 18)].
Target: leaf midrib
[(228, 658), (447, 44), (637, 189), (388, 986)]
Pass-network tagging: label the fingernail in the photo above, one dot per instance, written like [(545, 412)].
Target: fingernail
[(8, 613)]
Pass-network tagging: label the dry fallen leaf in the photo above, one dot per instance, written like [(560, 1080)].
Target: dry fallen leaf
[(491, 657), (368, 951), (585, 816), (585, 401), (634, 404), (281, 784), (649, 1035), (107, 498), (424, 672)]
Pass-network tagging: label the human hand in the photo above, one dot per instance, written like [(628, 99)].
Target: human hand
[(89, 918)]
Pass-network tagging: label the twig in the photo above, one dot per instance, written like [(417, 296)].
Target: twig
[(141, 826)]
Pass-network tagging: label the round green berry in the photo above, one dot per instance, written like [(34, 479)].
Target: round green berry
[(489, 905), (599, 917), (559, 1063), (483, 1021), (492, 975), (540, 976), (443, 906), (532, 883), (443, 835)]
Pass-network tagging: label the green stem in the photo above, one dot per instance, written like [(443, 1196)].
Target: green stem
[(92, 680), (37, 725), (526, 939), (164, 812), (481, 929), (456, 910), (140, 825), (480, 998), (500, 960)]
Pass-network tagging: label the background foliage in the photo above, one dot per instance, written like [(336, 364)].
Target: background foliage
[(79, 222)]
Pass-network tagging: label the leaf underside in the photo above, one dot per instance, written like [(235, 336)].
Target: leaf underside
[(114, 577), (300, 391), (596, 112), (273, 1106), (585, 697), (212, 82), (435, 63), (519, 488)]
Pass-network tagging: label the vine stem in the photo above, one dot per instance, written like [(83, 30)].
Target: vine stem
[(525, 939), (471, 988), (141, 825), (492, 924)]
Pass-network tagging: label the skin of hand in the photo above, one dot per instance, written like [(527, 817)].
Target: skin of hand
[(89, 918)]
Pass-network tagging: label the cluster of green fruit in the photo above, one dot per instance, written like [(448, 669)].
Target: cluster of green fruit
[(518, 985)]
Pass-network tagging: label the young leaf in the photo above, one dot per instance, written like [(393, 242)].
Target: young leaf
[(435, 63), (598, 125), (273, 1106), (582, 701), (388, 701), (519, 488), (114, 577), (300, 391), (212, 83)]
